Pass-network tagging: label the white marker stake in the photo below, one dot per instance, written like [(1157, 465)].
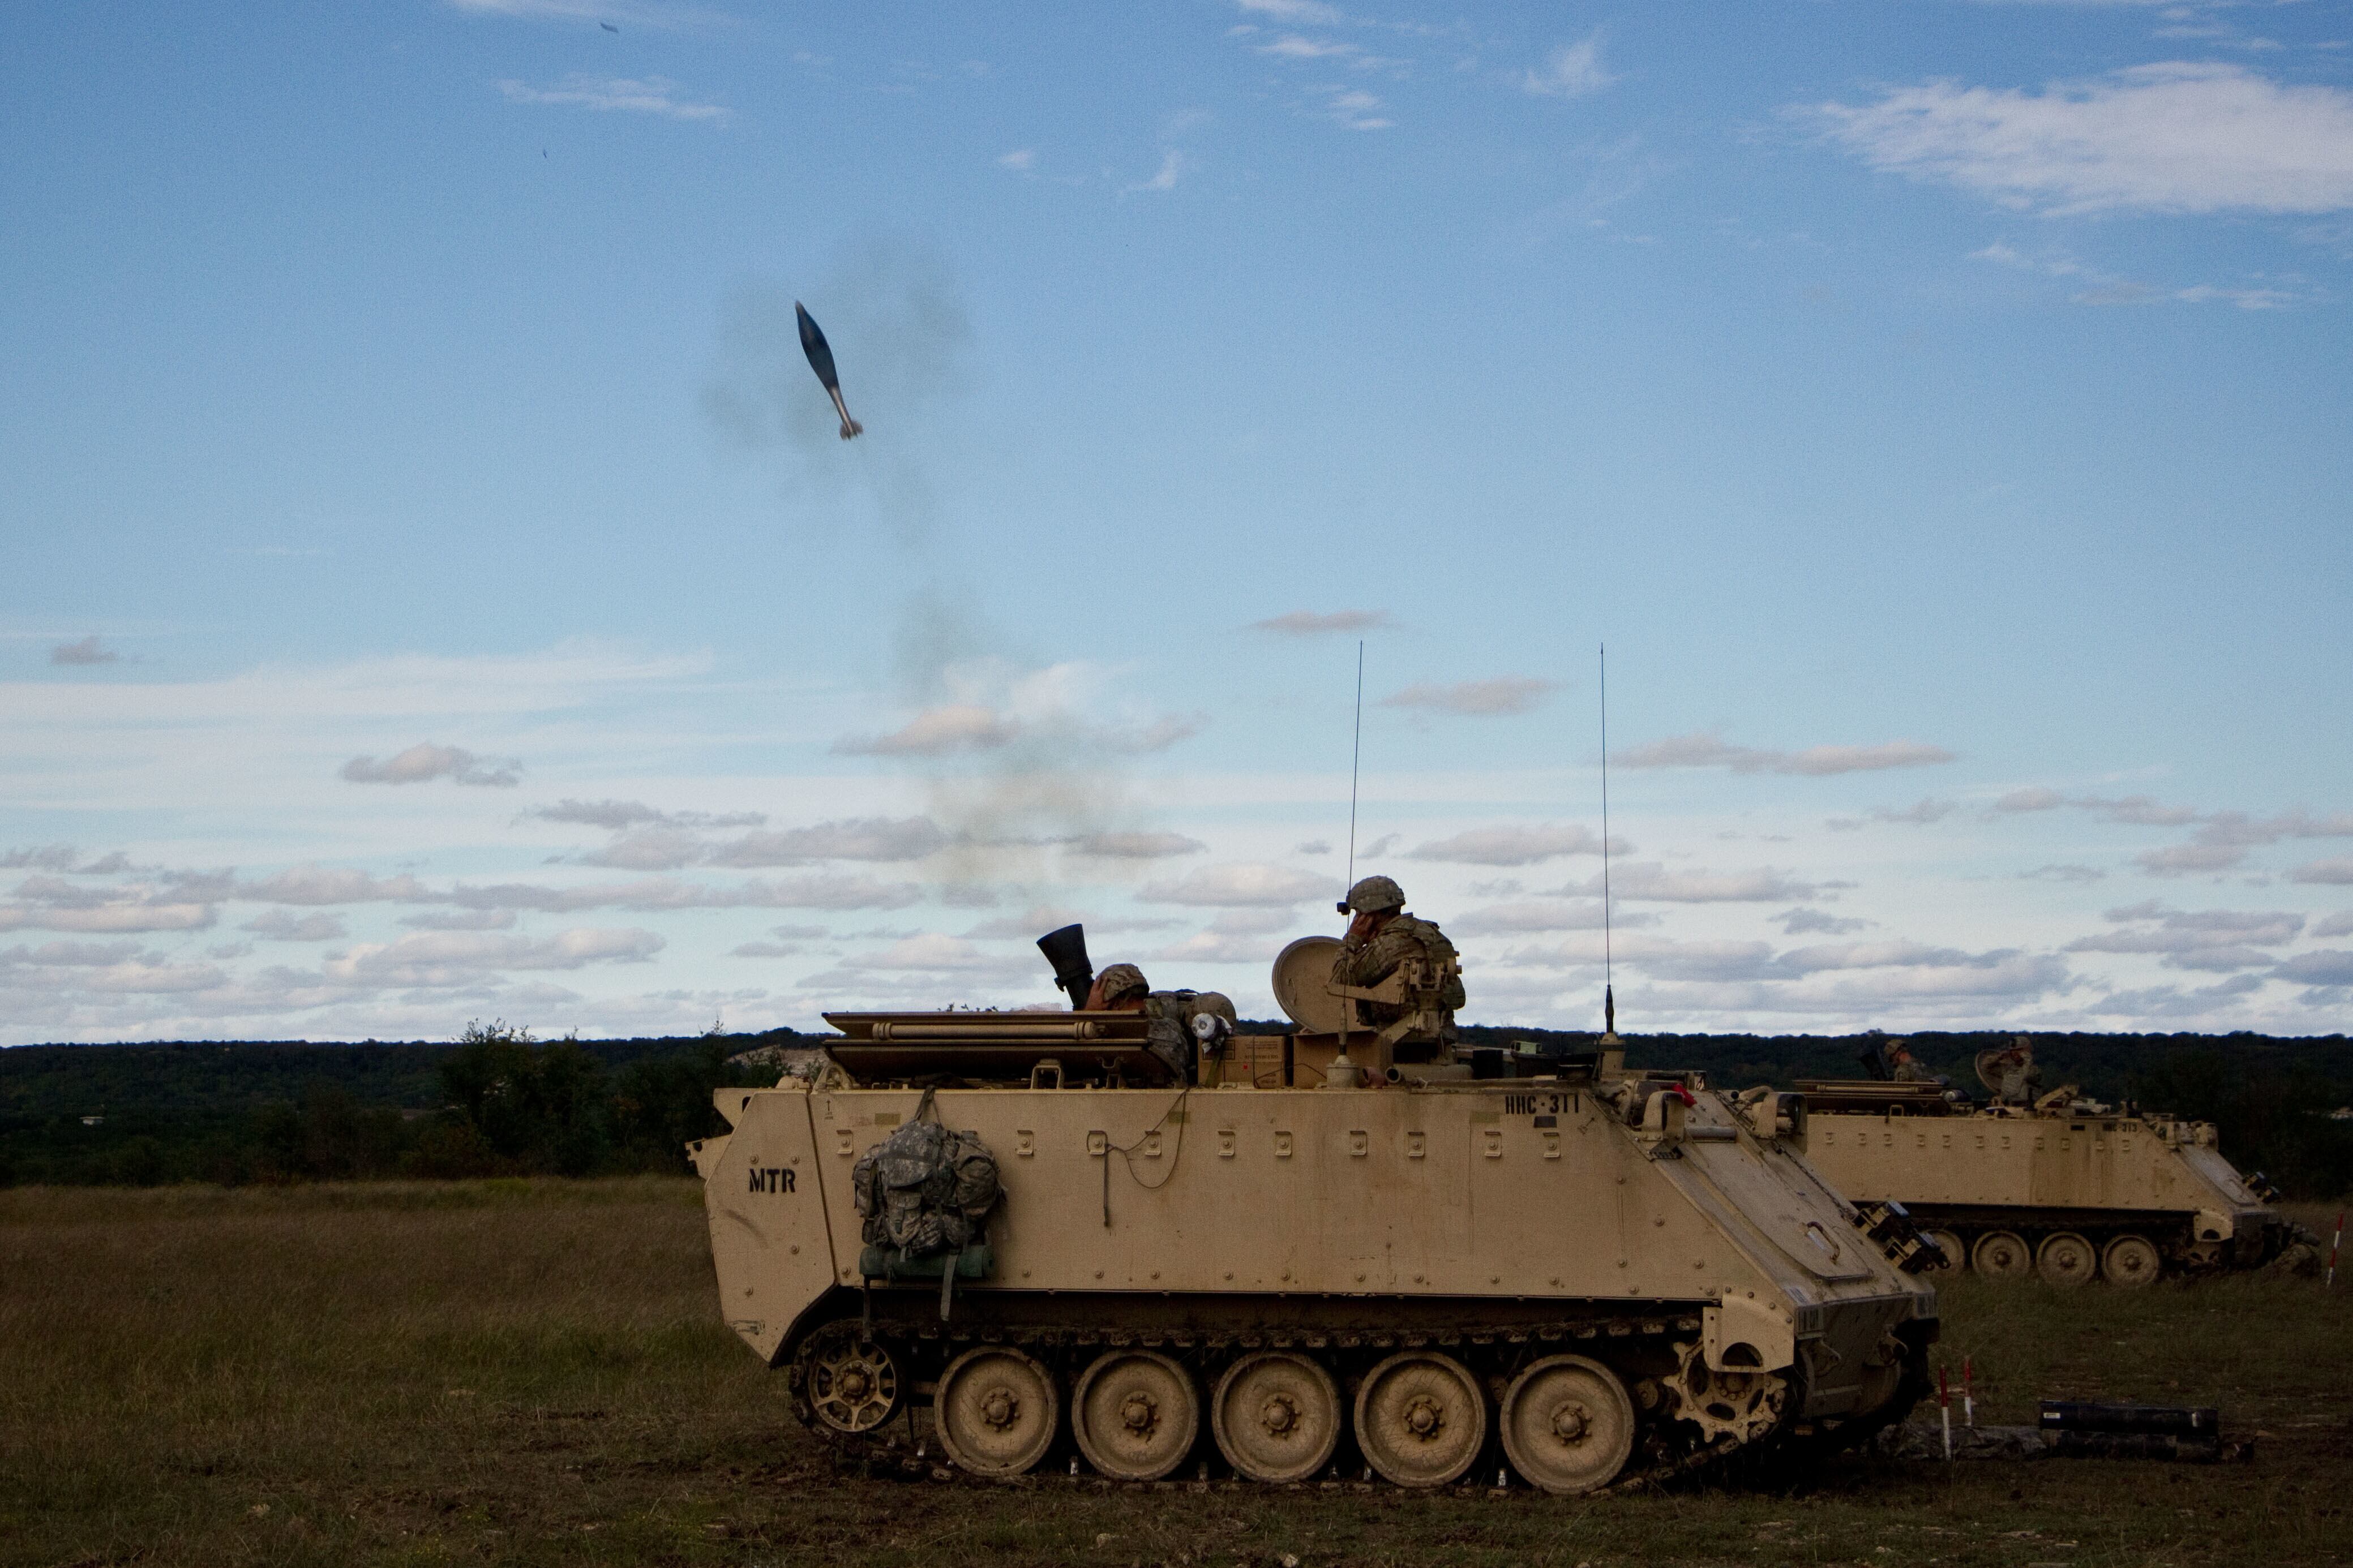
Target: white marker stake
[(1944, 1409), (2338, 1240), (1969, 1396)]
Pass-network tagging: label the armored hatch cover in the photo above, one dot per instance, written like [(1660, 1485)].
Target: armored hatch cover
[(1302, 970)]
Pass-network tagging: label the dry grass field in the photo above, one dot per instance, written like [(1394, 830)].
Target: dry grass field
[(524, 1372)]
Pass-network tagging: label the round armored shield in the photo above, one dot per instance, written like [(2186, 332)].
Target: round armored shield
[(1301, 971), (1988, 1065)]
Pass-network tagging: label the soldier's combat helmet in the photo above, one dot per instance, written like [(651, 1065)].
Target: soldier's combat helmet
[(1121, 980), (1372, 896)]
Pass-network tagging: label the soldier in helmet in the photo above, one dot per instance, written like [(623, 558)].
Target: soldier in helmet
[(1904, 1067), (2015, 1076), (1121, 988), (1381, 936), (1173, 1032)]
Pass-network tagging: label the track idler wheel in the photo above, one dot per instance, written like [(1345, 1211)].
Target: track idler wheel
[(1276, 1415), (851, 1382), (1421, 1418), (998, 1411), (1568, 1424), (1134, 1415), (1955, 1251)]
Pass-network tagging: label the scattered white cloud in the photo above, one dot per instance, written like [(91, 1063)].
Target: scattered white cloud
[(2194, 939), (460, 919), (1137, 846), (89, 651), (1540, 915), (425, 761), (960, 727), (1313, 847), (1572, 71), (1706, 749), (1354, 109), (1919, 814), (2175, 137), (2337, 870), (1501, 695), (40, 858), (1172, 167), (1803, 922), (1514, 845), (283, 925), (2056, 872), (1294, 12), (616, 13), (857, 839), (1020, 159), (1316, 623), (2033, 797), (616, 814), (462, 958), (1649, 882), (651, 849), (2327, 966), (649, 95), (1243, 884), (2338, 924)]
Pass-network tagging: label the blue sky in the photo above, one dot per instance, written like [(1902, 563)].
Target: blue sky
[(436, 589)]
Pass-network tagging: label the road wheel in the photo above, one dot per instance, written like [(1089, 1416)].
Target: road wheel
[(1421, 1418), (851, 1382), (2066, 1258), (1955, 1251), (1568, 1424), (998, 1411), (1276, 1416), (2001, 1255), (1134, 1415), (2130, 1261)]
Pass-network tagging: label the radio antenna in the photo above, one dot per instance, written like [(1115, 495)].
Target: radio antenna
[(1356, 756), (1609, 992)]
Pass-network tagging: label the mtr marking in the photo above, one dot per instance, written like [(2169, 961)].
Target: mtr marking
[(772, 1179)]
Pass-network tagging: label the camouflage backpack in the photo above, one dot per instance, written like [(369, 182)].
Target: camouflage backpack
[(926, 1189)]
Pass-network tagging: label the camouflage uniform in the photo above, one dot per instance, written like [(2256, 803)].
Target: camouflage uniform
[(1910, 1071), (1170, 1031), (1368, 964)]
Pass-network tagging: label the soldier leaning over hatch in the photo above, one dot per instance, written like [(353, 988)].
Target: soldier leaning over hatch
[(1174, 1030), (1382, 936)]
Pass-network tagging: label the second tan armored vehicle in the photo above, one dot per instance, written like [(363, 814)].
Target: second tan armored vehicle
[(2065, 1187), (1271, 1261)]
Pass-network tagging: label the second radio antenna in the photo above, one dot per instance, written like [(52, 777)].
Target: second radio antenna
[(1609, 991), (1356, 756)]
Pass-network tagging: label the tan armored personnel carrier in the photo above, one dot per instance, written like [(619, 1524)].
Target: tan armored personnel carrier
[(2060, 1187), (1270, 1259)]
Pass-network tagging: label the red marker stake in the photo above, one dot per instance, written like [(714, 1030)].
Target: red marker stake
[(1945, 1409), (1969, 1396)]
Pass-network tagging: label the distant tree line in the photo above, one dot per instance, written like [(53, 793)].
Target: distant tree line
[(498, 1101), (504, 1104)]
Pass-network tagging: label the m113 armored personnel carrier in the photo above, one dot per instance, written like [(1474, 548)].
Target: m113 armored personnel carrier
[(1272, 1259), (2054, 1185)]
